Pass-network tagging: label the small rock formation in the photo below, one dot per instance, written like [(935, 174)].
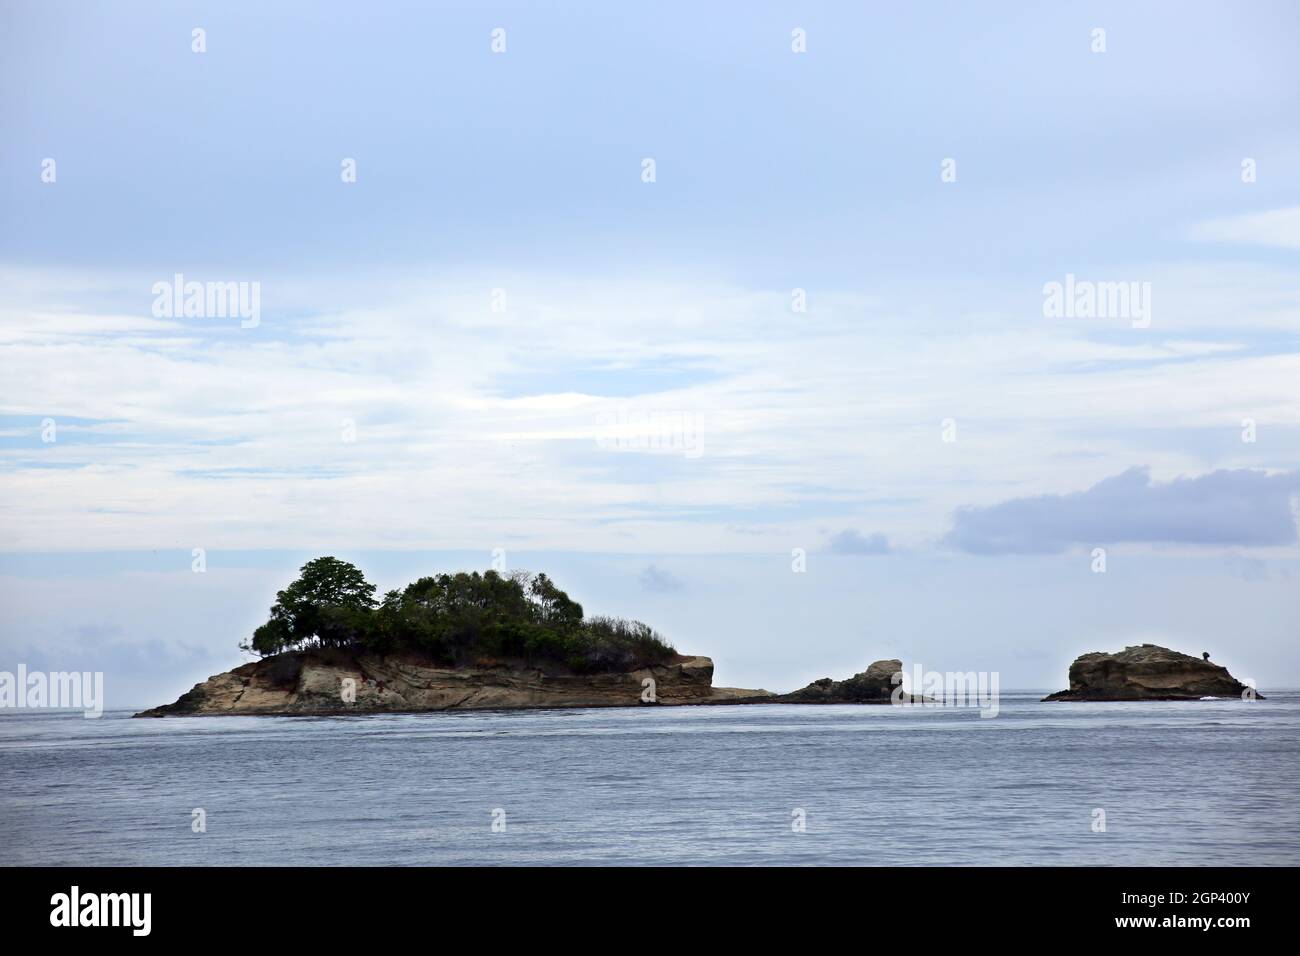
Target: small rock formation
[(875, 685), (1149, 672), (313, 682)]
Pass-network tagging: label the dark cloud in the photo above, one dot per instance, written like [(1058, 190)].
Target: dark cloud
[(657, 579), (1226, 507), (849, 541)]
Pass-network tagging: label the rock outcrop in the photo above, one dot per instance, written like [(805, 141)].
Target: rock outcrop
[(875, 685), (1149, 672), (309, 682)]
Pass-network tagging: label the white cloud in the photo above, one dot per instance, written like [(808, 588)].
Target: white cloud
[(1273, 227), (236, 438)]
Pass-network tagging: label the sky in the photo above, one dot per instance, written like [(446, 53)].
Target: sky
[(735, 320)]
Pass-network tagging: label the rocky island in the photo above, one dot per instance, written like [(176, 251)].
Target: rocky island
[(322, 682), (465, 641), (315, 683), (875, 685), (1149, 672), (469, 642)]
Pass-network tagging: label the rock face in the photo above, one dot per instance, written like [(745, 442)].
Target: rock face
[(1148, 672), (875, 685), (314, 683)]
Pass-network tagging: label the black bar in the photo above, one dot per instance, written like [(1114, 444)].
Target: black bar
[(375, 907)]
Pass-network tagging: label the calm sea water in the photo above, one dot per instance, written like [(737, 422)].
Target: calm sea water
[(1211, 782)]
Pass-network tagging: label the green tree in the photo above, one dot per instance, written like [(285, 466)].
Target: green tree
[(452, 619), (556, 609), (329, 605)]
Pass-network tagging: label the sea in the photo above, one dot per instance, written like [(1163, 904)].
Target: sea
[(1211, 782)]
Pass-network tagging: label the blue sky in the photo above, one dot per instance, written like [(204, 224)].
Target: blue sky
[(381, 406)]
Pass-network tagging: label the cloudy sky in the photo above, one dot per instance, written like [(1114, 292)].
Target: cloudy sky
[(820, 328)]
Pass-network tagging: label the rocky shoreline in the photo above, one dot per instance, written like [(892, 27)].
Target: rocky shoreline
[(315, 683)]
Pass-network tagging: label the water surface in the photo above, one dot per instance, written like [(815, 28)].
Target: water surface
[(1206, 782)]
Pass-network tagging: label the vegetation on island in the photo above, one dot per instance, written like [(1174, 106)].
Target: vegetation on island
[(452, 619)]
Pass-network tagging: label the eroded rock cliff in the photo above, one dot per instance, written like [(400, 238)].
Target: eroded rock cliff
[(1149, 672), (322, 683)]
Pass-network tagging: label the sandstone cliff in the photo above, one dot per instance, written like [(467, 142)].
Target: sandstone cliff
[(1149, 672), (332, 683)]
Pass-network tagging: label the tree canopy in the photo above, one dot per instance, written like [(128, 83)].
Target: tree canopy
[(452, 619)]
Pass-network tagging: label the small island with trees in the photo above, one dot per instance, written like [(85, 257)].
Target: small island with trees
[(463, 641), (491, 641), (453, 620)]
